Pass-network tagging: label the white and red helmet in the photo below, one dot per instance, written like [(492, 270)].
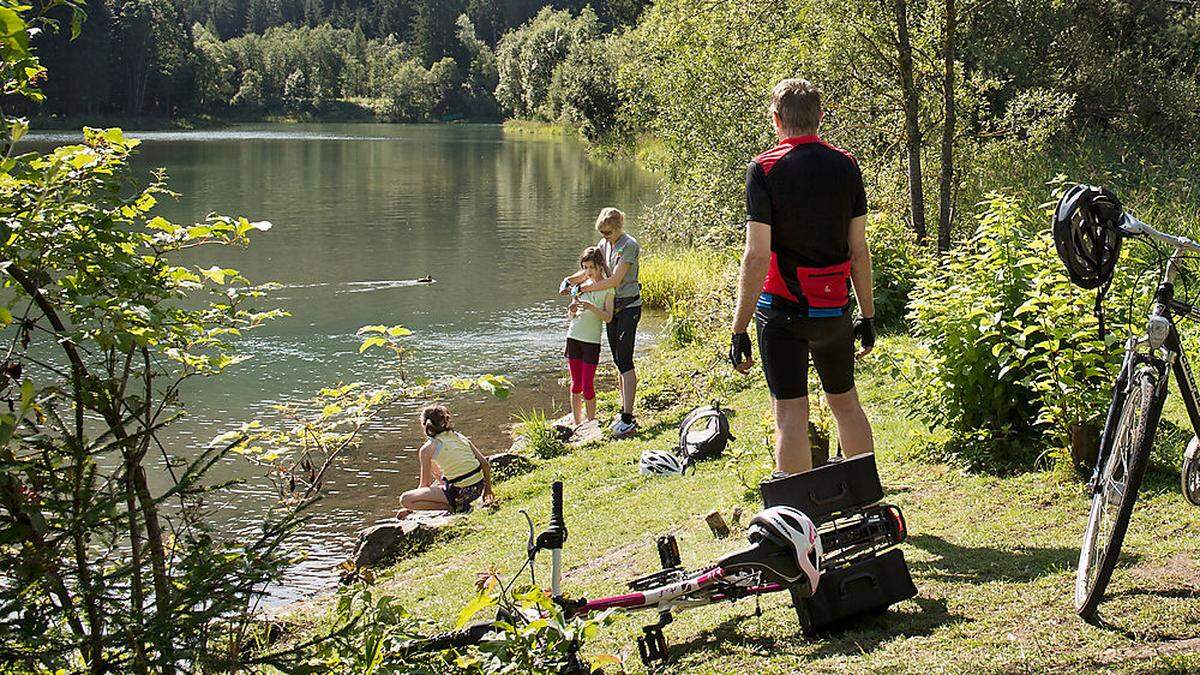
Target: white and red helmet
[(789, 527)]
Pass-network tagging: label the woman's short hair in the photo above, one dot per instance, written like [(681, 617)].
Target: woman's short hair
[(610, 219)]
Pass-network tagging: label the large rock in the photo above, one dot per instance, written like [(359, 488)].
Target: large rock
[(581, 435), (509, 465), (394, 539)]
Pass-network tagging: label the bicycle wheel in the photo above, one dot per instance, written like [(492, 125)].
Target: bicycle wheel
[(1116, 491)]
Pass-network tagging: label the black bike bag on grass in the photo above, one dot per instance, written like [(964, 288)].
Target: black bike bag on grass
[(839, 486), (704, 433), (869, 585)]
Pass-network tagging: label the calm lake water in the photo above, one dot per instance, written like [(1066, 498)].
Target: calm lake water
[(360, 212)]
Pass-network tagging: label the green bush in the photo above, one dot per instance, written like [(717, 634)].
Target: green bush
[(540, 435), (680, 329), (1014, 358), (584, 92), (896, 263), (696, 287)]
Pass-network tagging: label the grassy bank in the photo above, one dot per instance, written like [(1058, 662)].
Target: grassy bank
[(345, 110), (139, 123), (993, 556), (535, 129)]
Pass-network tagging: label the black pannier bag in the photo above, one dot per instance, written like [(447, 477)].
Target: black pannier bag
[(704, 433), (869, 584), (838, 486)]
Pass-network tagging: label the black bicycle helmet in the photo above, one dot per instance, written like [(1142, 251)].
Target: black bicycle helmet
[(1087, 234)]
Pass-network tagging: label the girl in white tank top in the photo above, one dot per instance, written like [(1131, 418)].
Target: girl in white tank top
[(453, 471)]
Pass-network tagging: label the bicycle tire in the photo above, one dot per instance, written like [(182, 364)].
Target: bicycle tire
[(1189, 478), (1096, 567)]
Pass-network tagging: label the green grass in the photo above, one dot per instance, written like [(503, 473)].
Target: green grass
[(685, 276), (541, 438), (535, 129), (993, 557)]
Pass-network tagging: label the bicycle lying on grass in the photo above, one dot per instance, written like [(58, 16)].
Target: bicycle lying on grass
[(1089, 226), (768, 565)]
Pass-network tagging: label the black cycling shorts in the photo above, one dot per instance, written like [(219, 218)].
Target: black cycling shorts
[(621, 331), (785, 341)]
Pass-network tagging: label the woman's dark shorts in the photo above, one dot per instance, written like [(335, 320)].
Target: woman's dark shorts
[(460, 498), (588, 352), (621, 331), (785, 341)]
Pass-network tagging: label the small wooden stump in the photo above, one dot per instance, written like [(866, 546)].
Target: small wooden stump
[(716, 523)]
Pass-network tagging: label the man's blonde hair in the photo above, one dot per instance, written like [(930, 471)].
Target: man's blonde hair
[(610, 219), (798, 104)]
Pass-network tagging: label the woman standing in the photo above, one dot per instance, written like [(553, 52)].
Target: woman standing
[(620, 252)]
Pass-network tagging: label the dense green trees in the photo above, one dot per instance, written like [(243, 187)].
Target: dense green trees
[(528, 57), (160, 57), (924, 97)]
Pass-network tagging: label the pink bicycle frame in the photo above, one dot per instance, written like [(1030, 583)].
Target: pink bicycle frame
[(676, 594)]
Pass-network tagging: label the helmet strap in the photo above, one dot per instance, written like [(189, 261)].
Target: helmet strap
[(1098, 309)]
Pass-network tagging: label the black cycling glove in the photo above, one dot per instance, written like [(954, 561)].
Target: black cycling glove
[(739, 349), (864, 330)]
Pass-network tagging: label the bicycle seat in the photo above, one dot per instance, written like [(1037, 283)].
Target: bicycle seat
[(775, 562)]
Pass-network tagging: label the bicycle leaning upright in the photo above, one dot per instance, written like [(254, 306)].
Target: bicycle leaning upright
[(1089, 225)]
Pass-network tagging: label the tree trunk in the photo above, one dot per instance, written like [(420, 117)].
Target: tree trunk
[(912, 121), (137, 594), (945, 212)]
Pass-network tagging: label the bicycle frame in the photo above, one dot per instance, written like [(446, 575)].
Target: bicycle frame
[(1165, 349), (683, 594), (717, 583)]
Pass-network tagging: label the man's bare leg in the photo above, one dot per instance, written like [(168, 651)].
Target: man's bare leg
[(793, 453), (854, 429)]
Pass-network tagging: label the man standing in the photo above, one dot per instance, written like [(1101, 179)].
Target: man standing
[(805, 246), (621, 252)]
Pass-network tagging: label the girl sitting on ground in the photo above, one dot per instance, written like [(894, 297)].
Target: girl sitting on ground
[(453, 471), (589, 311)]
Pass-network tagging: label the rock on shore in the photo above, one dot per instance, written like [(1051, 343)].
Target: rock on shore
[(392, 539)]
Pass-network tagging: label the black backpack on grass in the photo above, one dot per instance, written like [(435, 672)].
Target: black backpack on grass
[(704, 433)]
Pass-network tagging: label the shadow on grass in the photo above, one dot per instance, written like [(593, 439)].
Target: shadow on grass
[(981, 563), (852, 636), (858, 635), (1141, 635)]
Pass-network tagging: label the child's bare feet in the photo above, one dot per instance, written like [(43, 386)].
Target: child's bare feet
[(403, 513)]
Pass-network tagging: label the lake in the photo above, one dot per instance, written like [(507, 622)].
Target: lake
[(360, 213)]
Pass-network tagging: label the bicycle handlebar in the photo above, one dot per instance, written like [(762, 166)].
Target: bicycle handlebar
[(556, 505), (1131, 226), (555, 533)]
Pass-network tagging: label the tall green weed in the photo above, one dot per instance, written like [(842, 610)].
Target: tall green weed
[(1014, 357)]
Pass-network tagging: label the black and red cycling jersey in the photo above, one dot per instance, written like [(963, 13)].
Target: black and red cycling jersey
[(807, 191)]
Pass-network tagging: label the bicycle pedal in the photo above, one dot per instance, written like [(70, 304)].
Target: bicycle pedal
[(652, 646)]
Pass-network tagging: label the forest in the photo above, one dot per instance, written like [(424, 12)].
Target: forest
[(398, 60)]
